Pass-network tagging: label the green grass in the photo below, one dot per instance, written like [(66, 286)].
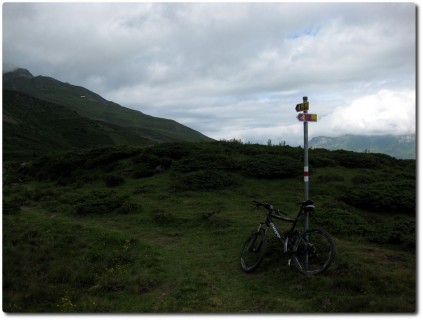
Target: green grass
[(73, 245)]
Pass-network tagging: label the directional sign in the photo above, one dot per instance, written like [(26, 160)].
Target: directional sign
[(307, 117), (301, 107)]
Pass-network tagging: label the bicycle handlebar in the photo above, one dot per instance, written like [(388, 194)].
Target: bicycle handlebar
[(268, 206)]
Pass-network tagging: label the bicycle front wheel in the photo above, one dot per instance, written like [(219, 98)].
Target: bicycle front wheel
[(314, 251), (253, 251)]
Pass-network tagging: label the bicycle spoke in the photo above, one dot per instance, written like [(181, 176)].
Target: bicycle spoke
[(314, 255)]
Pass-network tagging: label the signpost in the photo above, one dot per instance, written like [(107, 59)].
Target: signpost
[(301, 106), (306, 118)]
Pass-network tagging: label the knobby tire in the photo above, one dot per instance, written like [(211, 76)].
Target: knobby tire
[(253, 251)]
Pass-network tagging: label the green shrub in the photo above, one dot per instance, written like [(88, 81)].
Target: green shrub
[(266, 166), (113, 181), (363, 179), (55, 166), (151, 160), (398, 230), (128, 208), (320, 158), (162, 217), (390, 196), (97, 202), (330, 178), (342, 222), (11, 207), (174, 151), (206, 162), (73, 165), (142, 170), (207, 180), (106, 156), (351, 159), (214, 219)]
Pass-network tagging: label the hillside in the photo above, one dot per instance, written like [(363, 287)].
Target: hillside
[(159, 229), (32, 126), (401, 147), (92, 106)]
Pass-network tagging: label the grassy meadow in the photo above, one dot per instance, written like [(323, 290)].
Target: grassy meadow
[(159, 230)]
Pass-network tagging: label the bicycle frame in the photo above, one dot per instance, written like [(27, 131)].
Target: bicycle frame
[(269, 223)]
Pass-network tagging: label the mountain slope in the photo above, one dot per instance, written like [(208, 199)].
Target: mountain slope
[(32, 126), (90, 105), (402, 146)]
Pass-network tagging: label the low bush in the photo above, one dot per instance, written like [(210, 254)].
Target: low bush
[(206, 162), (398, 230), (128, 208), (162, 217), (350, 159), (55, 166), (142, 170), (330, 178), (272, 167), (214, 219), (113, 180), (390, 196), (99, 202), (73, 165), (206, 180), (11, 207), (174, 151), (106, 156), (363, 179), (320, 158), (152, 160), (341, 222)]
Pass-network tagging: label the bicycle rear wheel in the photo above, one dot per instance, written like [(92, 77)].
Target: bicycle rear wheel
[(253, 251), (314, 251)]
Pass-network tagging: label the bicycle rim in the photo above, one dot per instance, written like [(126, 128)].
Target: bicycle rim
[(253, 251), (313, 252)]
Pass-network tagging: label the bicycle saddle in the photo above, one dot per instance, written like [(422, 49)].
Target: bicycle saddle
[(308, 205)]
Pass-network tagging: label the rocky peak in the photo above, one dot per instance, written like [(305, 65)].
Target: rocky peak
[(20, 72)]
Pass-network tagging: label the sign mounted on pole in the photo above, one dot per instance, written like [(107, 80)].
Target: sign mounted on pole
[(307, 117), (301, 107)]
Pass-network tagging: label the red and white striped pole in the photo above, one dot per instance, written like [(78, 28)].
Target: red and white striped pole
[(305, 117), (306, 169)]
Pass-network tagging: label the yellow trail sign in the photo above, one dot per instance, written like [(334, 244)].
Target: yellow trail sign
[(307, 117), (301, 107)]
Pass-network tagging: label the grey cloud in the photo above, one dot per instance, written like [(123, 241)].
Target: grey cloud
[(200, 63)]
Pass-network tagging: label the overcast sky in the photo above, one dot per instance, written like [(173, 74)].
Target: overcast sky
[(231, 70)]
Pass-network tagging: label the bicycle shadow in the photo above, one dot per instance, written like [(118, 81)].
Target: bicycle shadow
[(274, 260)]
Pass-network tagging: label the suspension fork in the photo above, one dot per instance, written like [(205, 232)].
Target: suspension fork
[(260, 227), (282, 238)]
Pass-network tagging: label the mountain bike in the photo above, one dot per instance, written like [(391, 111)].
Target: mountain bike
[(311, 251)]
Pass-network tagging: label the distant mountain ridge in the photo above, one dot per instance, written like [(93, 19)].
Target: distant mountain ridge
[(398, 146), (91, 105), (103, 122)]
